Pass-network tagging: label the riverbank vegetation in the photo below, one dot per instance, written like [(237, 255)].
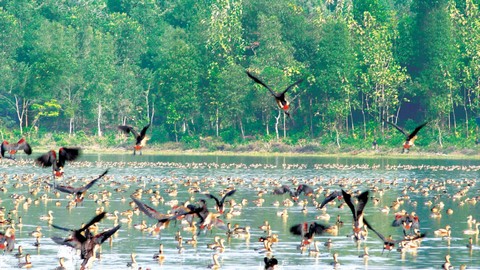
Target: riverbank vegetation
[(74, 70)]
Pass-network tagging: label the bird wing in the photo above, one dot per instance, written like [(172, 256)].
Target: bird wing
[(329, 198), (66, 189), (291, 86), (47, 160), (94, 220), (4, 148), (210, 196), (23, 145), (415, 131), (62, 228), (67, 154), (149, 211), (372, 229), (305, 189), (142, 134), (297, 229), (348, 200), (62, 241), (317, 228), (362, 201), (128, 129), (91, 183), (398, 128), (230, 193), (281, 190), (255, 79), (101, 237)]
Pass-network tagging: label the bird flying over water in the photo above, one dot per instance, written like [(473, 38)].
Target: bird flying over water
[(140, 139), (219, 203), (358, 219), (80, 191), (58, 161), (12, 148), (409, 137), (282, 103)]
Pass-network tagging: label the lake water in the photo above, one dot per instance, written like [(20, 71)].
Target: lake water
[(251, 175)]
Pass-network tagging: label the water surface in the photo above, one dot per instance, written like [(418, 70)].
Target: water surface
[(257, 174)]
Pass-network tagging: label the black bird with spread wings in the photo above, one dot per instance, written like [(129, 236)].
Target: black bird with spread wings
[(140, 139), (358, 215), (83, 240), (308, 230), (12, 148), (58, 162), (219, 203), (409, 137), (78, 192), (282, 103)]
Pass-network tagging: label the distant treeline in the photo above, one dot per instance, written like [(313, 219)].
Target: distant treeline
[(85, 66)]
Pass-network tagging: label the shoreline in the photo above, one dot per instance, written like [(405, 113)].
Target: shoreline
[(353, 154)]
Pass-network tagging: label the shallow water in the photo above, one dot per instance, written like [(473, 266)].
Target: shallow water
[(151, 170)]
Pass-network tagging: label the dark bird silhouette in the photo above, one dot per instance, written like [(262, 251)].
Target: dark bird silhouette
[(335, 194), (58, 162), (409, 137), (140, 140), (282, 190), (80, 191), (84, 240), (305, 189), (279, 97), (270, 263), (308, 230), (219, 203), (163, 219), (358, 219), (201, 211), (78, 236), (12, 148)]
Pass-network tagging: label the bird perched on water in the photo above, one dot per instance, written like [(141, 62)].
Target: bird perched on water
[(219, 203), (282, 103), (409, 137), (58, 162), (12, 148), (80, 191), (140, 139)]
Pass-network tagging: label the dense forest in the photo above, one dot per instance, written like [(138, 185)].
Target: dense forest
[(75, 69)]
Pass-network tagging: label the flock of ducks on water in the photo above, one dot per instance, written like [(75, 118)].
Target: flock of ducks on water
[(197, 217)]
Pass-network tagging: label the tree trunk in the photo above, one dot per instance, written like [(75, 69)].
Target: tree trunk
[(277, 120), (99, 120), (241, 128), (217, 124), (20, 111), (310, 114), (70, 128), (153, 111)]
